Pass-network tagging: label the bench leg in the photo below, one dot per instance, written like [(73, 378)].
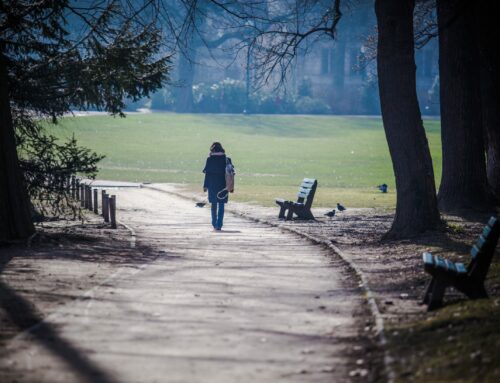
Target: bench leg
[(281, 215), (289, 216), (436, 295), (428, 291)]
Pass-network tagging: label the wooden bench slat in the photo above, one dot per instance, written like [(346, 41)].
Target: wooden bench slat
[(304, 190), (439, 262), (460, 268), (428, 259), (474, 251), (481, 242), (450, 266), (306, 186), (487, 232), (493, 221)]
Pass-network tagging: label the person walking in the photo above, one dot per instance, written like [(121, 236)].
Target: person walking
[(215, 183)]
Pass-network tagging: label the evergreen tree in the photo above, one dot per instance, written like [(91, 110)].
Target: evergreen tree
[(59, 55)]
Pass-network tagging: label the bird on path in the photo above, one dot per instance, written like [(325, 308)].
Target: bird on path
[(330, 214), (340, 207), (200, 204)]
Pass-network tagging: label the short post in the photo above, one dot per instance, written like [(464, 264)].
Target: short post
[(72, 187), (105, 207), (86, 195), (95, 201), (112, 211), (89, 199), (82, 195), (76, 190)]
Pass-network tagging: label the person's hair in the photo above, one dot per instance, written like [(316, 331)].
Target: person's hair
[(217, 148)]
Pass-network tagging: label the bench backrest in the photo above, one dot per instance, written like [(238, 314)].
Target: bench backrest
[(307, 189), (483, 250)]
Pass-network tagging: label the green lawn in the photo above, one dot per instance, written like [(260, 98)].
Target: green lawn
[(348, 155)]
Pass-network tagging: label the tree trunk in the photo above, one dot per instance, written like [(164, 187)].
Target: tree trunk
[(15, 216), (416, 208), (185, 102), (490, 101), (488, 30), (338, 66), (463, 183)]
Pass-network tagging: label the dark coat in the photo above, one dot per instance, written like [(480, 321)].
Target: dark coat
[(215, 178)]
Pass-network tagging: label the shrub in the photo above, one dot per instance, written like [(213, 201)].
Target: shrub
[(308, 105), (226, 96)]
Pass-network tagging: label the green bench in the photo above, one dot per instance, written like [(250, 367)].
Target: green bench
[(466, 279), (302, 207)]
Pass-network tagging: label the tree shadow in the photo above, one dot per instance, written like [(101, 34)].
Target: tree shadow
[(22, 314)]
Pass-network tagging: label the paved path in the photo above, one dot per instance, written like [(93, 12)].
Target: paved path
[(251, 304)]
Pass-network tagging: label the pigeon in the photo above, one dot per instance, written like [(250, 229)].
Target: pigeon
[(200, 204), (383, 188), (330, 214), (340, 207)]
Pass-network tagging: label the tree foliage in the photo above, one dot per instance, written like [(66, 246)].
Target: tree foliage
[(62, 55)]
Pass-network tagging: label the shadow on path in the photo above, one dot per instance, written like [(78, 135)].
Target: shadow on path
[(21, 313)]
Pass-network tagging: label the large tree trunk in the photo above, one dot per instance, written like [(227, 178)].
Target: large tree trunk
[(488, 30), (416, 208), (15, 216), (463, 183)]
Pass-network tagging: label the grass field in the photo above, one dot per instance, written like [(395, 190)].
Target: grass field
[(348, 155)]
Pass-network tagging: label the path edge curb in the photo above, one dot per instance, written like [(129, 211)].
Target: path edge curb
[(369, 295)]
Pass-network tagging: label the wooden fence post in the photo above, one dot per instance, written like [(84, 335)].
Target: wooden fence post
[(105, 207), (95, 201), (76, 191), (73, 186), (86, 198), (89, 200), (82, 195), (112, 211)]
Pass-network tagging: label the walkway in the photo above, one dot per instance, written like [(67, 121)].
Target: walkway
[(249, 304)]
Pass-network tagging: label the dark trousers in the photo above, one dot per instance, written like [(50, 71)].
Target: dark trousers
[(217, 215)]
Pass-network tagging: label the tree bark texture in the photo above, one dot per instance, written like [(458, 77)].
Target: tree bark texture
[(488, 31), (15, 215), (463, 183), (416, 207)]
